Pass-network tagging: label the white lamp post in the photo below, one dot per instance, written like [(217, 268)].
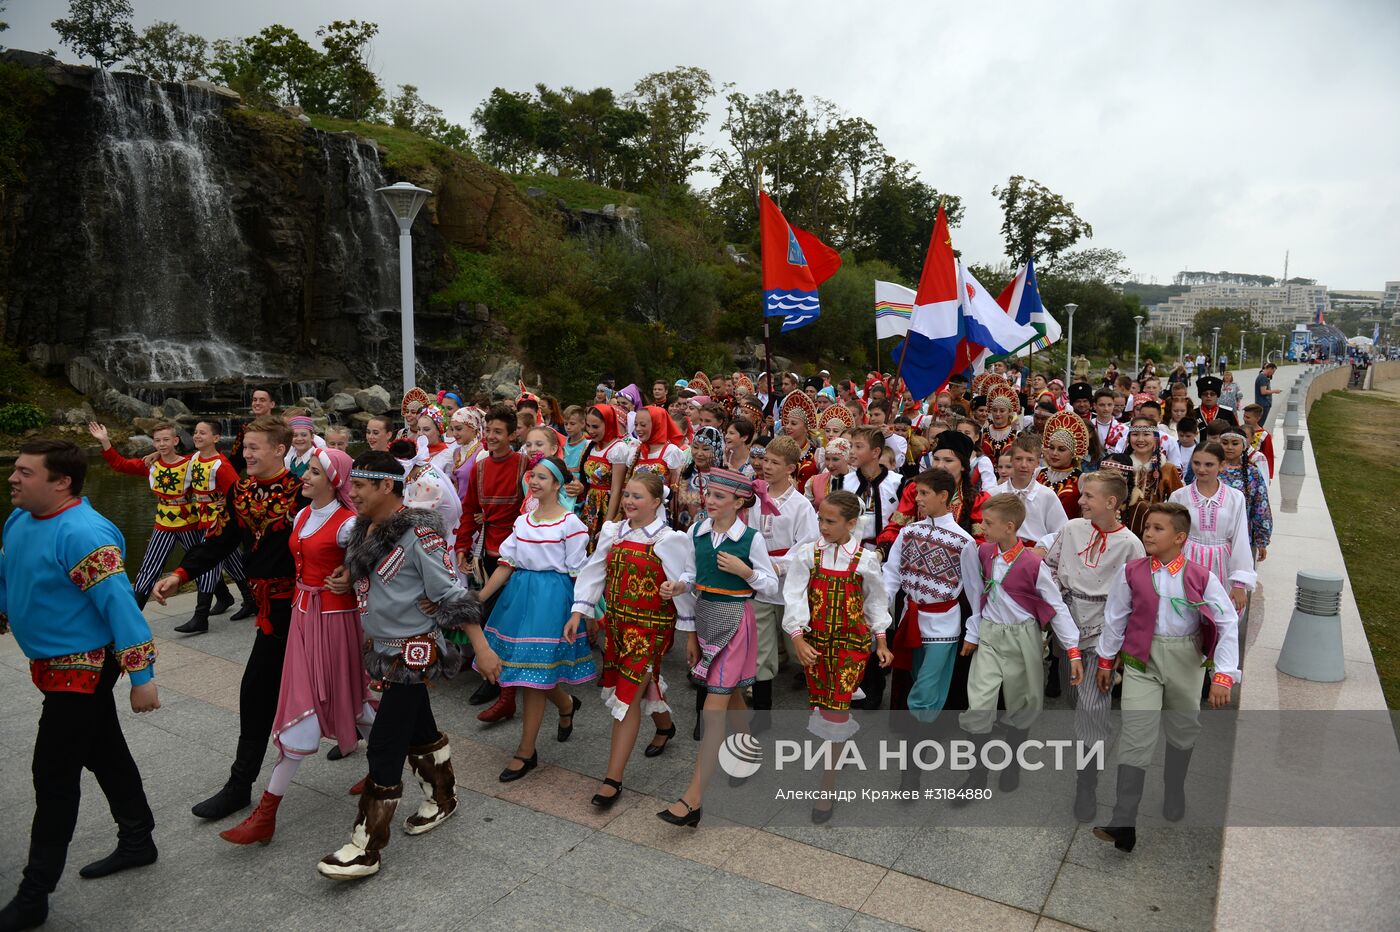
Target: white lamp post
[(1137, 343), (405, 200), (1069, 344), (1240, 361), (1262, 360), (1181, 343), (1215, 346)]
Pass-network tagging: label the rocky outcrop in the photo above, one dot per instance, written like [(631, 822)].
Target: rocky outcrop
[(267, 254), (373, 400)]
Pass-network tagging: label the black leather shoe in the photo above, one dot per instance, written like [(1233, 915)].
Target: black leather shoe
[(24, 913), (124, 858), (656, 750), (486, 692), (690, 820), (566, 730), (224, 803), (823, 816), (531, 762), (606, 802), (1124, 838), (335, 753)]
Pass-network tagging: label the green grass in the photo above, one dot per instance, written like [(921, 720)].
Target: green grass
[(403, 149), (575, 192), (1353, 436)]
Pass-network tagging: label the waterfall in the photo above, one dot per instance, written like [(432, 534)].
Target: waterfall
[(166, 220)]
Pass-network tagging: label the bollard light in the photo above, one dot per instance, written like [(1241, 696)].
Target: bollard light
[(1293, 464), (1290, 417), (1312, 648)]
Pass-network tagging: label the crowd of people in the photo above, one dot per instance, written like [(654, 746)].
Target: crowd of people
[(961, 553)]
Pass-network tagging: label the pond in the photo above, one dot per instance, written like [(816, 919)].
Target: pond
[(126, 501)]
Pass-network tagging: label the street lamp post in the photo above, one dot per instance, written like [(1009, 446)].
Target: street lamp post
[(1137, 342), (1240, 361), (1181, 344), (1069, 344), (1262, 360), (1215, 346), (405, 200)]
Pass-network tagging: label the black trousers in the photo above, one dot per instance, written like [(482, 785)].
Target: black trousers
[(257, 694), (76, 731), (405, 720)]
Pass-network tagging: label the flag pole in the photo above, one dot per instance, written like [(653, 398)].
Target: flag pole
[(767, 335)]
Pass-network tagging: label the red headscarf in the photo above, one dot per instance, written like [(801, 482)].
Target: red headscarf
[(614, 423), (663, 429)]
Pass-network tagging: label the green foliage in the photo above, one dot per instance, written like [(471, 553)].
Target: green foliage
[(1231, 322), (673, 103), (165, 52), (23, 93), (18, 417), (99, 29), (409, 111), (404, 150), (1037, 221), (277, 66)]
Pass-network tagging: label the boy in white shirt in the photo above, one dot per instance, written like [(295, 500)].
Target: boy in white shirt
[(1044, 513)]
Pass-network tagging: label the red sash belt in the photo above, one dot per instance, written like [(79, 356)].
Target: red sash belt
[(779, 553), (264, 592), (907, 636)]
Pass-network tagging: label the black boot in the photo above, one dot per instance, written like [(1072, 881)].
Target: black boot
[(1122, 830), (486, 692), (1086, 798), (141, 601), (762, 706), (199, 621), (135, 848), (1174, 792), (26, 911), (976, 777), (1010, 778), (233, 797), (249, 608), (223, 599)]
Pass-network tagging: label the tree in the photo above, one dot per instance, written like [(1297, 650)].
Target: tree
[(1094, 265), (100, 29), (167, 53), (409, 111), (895, 217), (1037, 221), (510, 129), (1231, 321), (673, 103), (861, 155), (274, 67), (354, 91), (590, 134)]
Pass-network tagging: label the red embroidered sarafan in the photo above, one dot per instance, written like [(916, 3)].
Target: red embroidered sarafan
[(639, 625), (839, 632)]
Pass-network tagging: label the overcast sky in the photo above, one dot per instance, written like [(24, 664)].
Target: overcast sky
[(1200, 135)]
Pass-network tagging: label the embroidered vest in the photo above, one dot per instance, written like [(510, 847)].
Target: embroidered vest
[(170, 482), (719, 586), (319, 555), (1142, 620), (1019, 582)]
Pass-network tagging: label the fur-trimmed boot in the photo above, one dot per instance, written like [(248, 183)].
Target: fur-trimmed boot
[(360, 858), (432, 764)]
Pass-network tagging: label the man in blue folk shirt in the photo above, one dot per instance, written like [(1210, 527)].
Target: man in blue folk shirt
[(65, 596)]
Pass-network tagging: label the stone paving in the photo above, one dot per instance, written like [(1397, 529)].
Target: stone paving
[(535, 854)]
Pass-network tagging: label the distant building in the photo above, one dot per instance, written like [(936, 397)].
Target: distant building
[(1269, 306), (1368, 302), (1390, 298)]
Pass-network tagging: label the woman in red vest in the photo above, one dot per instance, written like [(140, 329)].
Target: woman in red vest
[(323, 690)]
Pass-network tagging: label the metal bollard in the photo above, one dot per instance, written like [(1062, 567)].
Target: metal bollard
[(1293, 464), (1312, 648), (1290, 417)]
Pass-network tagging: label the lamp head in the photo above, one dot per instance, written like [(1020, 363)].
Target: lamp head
[(405, 200), (1071, 308)]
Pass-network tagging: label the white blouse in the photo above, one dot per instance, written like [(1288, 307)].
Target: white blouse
[(1221, 522), (558, 546), (671, 547), (837, 558)]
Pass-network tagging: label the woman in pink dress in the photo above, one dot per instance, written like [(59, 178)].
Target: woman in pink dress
[(324, 692)]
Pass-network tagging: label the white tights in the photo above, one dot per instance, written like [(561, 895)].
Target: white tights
[(305, 734)]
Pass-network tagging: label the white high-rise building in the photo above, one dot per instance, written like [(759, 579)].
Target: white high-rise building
[(1269, 306)]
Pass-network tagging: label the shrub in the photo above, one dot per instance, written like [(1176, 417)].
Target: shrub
[(20, 417)]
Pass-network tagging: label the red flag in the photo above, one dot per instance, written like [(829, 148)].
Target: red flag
[(794, 263)]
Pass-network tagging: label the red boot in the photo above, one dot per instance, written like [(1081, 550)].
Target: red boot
[(502, 709), (358, 788), (258, 827)]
